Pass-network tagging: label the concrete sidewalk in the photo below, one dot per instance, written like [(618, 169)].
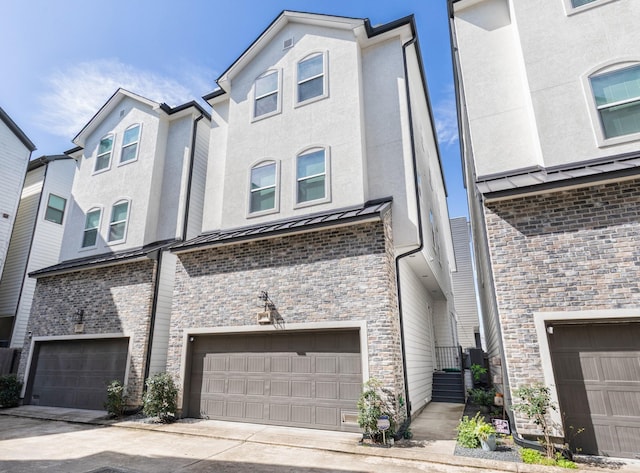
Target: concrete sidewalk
[(433, 441)]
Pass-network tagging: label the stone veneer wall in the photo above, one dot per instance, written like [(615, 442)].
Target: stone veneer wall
[(571, 250), (339, 274), (115, 299)]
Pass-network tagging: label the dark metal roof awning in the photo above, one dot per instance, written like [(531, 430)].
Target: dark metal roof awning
[(369, 211)]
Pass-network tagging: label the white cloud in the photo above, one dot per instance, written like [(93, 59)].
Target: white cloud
[(445, 115), (74, 95)]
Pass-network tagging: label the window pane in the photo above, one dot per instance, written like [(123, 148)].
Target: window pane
[(56, 202), (119, 212), (310, 67), (55, 209), (93, 219), (267, 84), (264, 199), (617, 86), (263, 176), (131, 135), (311, 189), (105, 145), (311, 164), (266, 104), (621, 120), (308, 90), (116, 231), (89, 238), (102, 162), (579, 3), (129, 153)]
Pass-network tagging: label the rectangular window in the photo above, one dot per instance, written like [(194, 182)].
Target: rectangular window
[(130, 144), (311, 78), (55, 209), (617, 96), (91, 228), (266, 93), (103, 159), (579, 3), (118, 223), (263, 188), (311, 176)]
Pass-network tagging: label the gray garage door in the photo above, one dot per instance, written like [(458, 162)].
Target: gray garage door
[(597, 372), (75, 373), (306, 379)]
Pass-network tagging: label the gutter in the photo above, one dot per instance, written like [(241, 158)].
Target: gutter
[(411, 42)]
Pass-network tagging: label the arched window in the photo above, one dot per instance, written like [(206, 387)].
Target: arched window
[(130, 144), (312, 176), (118, 221), (263, 187), (311, 78), (91, 227), (267, 94), (103, 158)]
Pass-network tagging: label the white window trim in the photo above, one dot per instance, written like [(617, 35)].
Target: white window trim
[(276, 208), (327, 177), (571, 10), (137, 143), (126, 222), (113, 146), (325, 81), (601, 140), (64, 211), (542, 319), (84, 227), (278, 109)]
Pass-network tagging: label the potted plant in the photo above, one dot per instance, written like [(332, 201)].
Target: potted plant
[(486, 433)]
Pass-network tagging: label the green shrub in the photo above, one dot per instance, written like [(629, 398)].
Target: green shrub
[(467, 433), (530, 455), (482, 397), (10, 388), (477, 371), (161, 398), (376, 401), (116, 399)]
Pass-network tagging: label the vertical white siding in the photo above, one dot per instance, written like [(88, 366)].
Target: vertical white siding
[(444, 325), (418, 337), (198, 182), (160, 345), (47, 239)]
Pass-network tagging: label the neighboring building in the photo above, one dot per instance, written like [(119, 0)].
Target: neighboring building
[(326, 253), (36, 240), (464, 288), (549, 101), (102, 313), (15, 152)]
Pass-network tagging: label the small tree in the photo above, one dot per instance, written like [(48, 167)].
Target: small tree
[(161, 398), (536, 405), (116, 399), (374, 402)]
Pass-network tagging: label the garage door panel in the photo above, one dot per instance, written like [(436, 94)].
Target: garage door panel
[(310, 385), (621, 367), (625, 403)]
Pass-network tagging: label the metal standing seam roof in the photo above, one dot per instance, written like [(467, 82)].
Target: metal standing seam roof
[(104, 259), (374, 209)]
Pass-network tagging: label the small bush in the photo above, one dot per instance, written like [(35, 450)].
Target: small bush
[(161, 398), (376, 401), (530, 455), (116, 399), (467, 433), (10, 388), (482, 397), (477, 371)]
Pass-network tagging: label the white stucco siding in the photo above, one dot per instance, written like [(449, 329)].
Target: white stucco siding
[(47, 239), (14, 157), (503, 131), (133, 181), (419, 337), (332, 122)]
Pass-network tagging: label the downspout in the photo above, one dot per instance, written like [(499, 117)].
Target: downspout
[(420, 233), (156, 287)]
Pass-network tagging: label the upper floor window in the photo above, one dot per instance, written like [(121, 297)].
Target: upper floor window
[(55, 209), (311, 176), (267, 96), (118, 221), (579, 3), (130, 144), (91, 225), (103, 159), (311, 78), (263, 192), (617, 99)]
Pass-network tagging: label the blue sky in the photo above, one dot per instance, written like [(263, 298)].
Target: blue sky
[(62, 60)]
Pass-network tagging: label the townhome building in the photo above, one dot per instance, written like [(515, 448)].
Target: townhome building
[(549, 103), (326, 252), (15, 152), (36, 240), (101, 313)]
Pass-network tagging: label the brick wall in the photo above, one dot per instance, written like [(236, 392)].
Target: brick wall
[(336, 275), (571, 250), (115, 299)]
